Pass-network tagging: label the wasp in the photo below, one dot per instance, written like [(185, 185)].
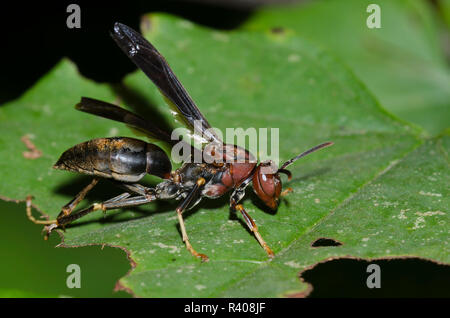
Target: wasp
[(125, 161)]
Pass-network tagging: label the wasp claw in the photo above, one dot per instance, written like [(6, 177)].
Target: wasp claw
[(286, 192), (204, 257), (48, 229)]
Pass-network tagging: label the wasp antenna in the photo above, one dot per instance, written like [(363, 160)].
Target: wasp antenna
[(307, 152), (286, 172)]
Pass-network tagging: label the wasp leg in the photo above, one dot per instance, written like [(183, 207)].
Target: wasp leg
[(30, 215), (66, 210), (121, 201), (286, 192), (69, 207), (58, 222), (180, 210), (136, 188), (252, 226)]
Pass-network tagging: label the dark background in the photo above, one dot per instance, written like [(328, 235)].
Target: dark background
[(34, 38)]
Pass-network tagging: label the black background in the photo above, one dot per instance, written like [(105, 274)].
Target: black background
[(35, 36)]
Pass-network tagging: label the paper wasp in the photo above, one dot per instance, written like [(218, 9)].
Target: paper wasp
[(126, 161)]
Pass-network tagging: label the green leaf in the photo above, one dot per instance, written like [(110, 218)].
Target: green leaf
[(444, 6), (401, 63), (17, 293), (377, 167), (32, 267)]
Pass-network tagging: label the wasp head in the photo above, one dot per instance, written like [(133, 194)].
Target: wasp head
[(266, 178)]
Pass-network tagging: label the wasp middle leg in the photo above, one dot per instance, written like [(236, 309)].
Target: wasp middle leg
[(180, 209)]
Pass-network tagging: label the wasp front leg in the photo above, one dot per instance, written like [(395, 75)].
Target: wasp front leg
[(237, 195), (286, 192), (252, 226)]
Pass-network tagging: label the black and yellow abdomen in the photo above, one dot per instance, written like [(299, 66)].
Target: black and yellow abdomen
[(121, 158)]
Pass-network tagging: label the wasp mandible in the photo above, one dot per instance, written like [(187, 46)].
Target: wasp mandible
[(125, 161)]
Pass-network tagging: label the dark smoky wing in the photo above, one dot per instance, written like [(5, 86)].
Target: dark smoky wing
[(113, 112), (153, 64)]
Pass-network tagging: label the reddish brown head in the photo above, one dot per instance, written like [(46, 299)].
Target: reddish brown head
[(267, 184), (266, 178)]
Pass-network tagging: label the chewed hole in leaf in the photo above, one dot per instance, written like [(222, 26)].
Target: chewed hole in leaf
[(325, 242), (408, 277)]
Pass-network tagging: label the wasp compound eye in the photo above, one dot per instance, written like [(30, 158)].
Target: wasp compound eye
[(267, 186)]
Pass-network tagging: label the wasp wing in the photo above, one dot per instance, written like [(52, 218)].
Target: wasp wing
[(153, 64), (113, 112), (116, 113)]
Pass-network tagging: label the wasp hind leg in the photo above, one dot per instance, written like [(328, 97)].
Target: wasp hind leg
[(66, 216), (47, 223), (121, 201), (69, 207), (65, 210)]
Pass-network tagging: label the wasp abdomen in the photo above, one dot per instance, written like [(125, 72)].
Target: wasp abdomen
[(121, 158)]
